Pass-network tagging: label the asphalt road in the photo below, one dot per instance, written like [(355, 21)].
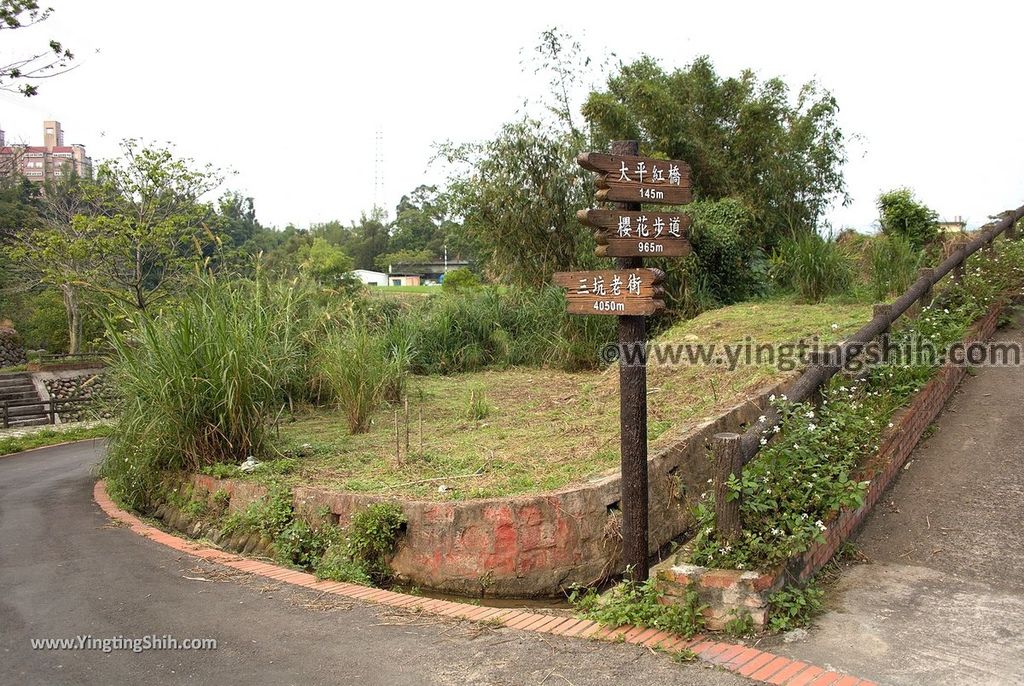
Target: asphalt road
[(66, 571)]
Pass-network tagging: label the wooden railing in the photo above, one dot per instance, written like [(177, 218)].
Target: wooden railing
[(733, 451), (52, 408)]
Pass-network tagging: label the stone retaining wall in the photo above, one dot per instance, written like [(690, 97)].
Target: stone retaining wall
[(82, 384), (531, 545), (12, 351), (729, 593)]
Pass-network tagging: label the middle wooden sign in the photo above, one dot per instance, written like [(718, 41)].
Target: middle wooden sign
[(623, 233)]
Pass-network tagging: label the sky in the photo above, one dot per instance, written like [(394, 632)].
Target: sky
[(291, 96)]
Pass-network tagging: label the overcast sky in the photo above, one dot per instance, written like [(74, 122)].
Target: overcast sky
[(290, 95)]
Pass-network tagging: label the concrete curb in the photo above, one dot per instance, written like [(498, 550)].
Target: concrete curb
[(744, 660)]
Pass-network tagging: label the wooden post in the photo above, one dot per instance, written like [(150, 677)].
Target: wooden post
[(53, 413), (728, 461), (7, 421), (883, 310), (1011, 232), (926, 273), (398, 440), (407, 427), (961, 266), (633, 418)]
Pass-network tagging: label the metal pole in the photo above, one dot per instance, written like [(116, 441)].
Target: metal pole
[(633, 418)]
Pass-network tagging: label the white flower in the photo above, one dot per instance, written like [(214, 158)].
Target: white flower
[(776, 429), (820, 525), (835, 327), (764, 441), (796, 447), (771, 398), (890, 425), (762, 419), (812, 427), (810, 414)]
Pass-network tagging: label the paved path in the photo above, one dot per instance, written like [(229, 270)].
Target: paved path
[(941, 599), (66, 571)]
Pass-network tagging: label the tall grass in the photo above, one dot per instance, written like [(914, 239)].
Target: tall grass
[(200, 383), (467, 331), (813, 266), (894, 265), (360, 368)]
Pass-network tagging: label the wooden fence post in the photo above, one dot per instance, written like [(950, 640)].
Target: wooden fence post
[(883, 310), (926, 297), (728, 461), (7, 420), (53, 412), (961, 266), (1011, 232)]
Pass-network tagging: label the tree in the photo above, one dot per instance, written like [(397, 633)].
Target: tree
[(900, 214), (325, 263), (41, 64), (743, 138), (133, 231), (54, 252), (517, 196)]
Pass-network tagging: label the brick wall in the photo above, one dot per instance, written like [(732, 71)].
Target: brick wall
[(532, 545)]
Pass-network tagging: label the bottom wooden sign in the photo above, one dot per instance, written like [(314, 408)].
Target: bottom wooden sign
[(622, 292)]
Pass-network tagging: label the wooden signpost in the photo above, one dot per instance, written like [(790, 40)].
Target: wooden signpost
[(632, 293)]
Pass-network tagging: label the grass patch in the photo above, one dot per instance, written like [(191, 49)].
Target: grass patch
[(45, 437), (522, 430)]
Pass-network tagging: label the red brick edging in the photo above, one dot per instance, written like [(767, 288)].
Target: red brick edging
[(744, 660)]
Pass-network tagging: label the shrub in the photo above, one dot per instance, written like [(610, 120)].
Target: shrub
[(201, 383), (460, 279), (640, 604), (369, 541), (900, 214), (794, 607), (813, 266), (893, 265)]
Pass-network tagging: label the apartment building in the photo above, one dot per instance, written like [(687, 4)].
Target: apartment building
[(46, 162)]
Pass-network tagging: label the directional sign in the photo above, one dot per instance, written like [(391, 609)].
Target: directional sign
[(622, 292), (621, 233), (627, 178)]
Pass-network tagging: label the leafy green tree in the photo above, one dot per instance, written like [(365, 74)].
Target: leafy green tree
[(325, 263), (901, 214), (134, 231), (54, 251), (421, 222), (460, 279), (517, 196), (43, 63), (742, 137)]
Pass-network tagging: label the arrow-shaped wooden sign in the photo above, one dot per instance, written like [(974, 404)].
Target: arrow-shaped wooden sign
[(617, 292), (623, 233)]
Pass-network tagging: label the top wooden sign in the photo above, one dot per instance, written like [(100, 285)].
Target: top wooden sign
[(627, 178)]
